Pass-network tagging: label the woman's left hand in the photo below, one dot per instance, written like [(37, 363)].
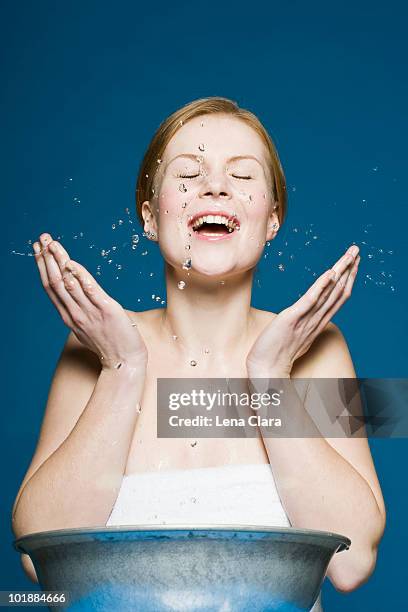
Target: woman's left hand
[(293, 330)]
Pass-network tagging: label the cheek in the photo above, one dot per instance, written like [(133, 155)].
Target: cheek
[(174, 200), (257, 206), (172, 210)]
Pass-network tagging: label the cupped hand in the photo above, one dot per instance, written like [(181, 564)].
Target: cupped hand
[(293, 330), (97, 320)]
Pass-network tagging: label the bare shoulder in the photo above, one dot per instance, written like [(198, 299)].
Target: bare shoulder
[(328, 356)]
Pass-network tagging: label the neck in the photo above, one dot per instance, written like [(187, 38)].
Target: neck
[(209, 317)]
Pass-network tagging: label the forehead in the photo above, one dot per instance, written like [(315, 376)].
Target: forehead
[(220, 135)]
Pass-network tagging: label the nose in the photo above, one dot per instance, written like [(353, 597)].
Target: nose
[(215, 185)]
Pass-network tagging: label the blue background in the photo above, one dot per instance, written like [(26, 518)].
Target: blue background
[(85, 85)]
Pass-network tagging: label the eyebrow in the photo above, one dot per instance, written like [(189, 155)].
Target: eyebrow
[(194, 156)]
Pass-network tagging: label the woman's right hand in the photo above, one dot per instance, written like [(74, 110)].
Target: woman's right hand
[(97, 320)]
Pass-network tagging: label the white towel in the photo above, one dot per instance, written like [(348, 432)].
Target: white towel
[(229, 494)]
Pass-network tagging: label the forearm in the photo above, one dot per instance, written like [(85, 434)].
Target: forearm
[(320, 490), (79, 483)]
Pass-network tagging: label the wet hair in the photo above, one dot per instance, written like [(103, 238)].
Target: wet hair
[(206, 106)]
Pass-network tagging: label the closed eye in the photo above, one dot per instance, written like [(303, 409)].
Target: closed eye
[(190, 176)]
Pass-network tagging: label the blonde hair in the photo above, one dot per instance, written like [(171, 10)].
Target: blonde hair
[(197, 108)]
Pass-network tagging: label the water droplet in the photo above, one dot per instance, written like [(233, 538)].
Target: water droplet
[(193, 363), (202, 124), (187, 247), (175, 337), (135, 238), (201, 147), (184, 205), (181, 284), (146, 175), (120, 222), (194, 443), (113, 226), (182, 187), (281, 267), (186, 264), (206, 351), (222, 282), (159, 161)]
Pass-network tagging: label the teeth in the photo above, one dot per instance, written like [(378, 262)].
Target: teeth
[(221, 220)]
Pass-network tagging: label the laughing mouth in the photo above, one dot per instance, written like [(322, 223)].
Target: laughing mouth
[(214, 225)]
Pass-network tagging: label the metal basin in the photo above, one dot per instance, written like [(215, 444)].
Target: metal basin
[(205, 568)]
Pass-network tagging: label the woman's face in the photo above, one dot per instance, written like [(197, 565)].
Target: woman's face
[(212, 201)]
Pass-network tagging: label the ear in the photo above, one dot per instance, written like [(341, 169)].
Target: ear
[(150, 222), (273, 225)]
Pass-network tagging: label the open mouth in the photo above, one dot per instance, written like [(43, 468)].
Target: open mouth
[(214, 225)]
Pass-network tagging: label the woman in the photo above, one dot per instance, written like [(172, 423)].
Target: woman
[(211, 192)]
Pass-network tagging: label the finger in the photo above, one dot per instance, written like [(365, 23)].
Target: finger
[(352, 277), (60, 254), (342, 269), (318, 293), (339, 290), (342, 297), (324, 283), (74, 288), (346, 260), (55, 280), (66, 273), (333, 292), (89, 285), (66, 317)]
